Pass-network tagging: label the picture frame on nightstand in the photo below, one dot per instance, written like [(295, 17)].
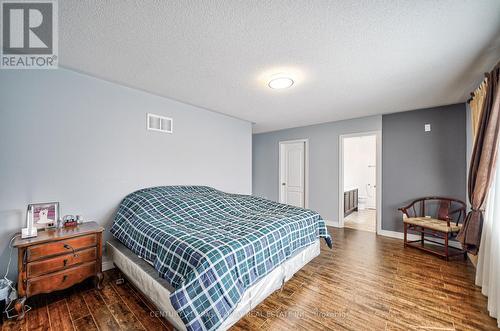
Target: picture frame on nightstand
[(43, 215)]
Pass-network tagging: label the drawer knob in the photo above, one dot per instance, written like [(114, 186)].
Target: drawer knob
[(69, 247), (65, 262), (64, 278)]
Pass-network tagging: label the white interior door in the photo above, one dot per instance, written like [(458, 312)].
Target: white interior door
[(292, 173)]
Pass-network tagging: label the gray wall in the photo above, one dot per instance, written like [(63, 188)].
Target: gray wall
[(82, 141), (323, 160), (417, 163), (414, 163)]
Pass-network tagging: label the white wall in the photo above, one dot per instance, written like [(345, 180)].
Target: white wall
[(360, 155), (83, 141)]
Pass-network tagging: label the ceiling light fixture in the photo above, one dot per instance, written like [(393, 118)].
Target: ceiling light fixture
[(280, 83)]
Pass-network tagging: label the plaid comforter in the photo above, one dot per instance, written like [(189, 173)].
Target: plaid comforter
[(210, 245)]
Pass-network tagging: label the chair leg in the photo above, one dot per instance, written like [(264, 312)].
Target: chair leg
[(422, 238), (446, 246), (405, 231)]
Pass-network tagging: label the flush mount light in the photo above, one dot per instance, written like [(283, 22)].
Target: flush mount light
[(280, 83)]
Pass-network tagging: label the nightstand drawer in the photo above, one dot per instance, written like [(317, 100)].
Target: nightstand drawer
[(60, 280), (56, 259), (40, 251), (46, 266)]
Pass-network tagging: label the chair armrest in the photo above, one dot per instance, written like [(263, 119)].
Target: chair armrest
[(408, 206), (448, 219), (404, 210), (461, 213)]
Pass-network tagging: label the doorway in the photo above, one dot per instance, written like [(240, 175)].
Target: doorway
[(294, 172), (359, 189)]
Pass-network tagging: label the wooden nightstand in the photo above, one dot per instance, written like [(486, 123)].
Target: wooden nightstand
[(57, 259)]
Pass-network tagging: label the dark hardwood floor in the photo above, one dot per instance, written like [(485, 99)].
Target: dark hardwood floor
[(365, 283)]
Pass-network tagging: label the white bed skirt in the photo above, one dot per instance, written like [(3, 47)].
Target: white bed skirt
[(158, 290)]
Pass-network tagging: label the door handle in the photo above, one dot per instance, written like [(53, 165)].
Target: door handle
[(283, 184)]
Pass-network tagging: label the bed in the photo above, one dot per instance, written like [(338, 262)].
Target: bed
[(206, 257)]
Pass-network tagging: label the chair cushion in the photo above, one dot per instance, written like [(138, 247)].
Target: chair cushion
[(433, 224)]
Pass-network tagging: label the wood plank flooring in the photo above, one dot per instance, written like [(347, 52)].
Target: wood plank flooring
[(365, 220), (365, 283)]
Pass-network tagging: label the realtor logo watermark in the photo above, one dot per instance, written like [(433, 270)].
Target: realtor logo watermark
[(29, 35)]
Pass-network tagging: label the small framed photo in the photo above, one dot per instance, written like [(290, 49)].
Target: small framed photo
[(44, 215)]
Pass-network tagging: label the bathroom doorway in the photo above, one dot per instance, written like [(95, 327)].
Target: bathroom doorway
[(359, 174)]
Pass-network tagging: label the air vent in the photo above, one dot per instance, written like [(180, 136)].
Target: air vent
[(160, 123)]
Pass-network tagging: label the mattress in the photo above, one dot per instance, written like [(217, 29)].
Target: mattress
[(211, 246), (144, 277)]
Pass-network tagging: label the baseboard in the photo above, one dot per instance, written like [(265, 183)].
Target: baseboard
[(107, 264), (335, 224), (411, 236), (473, 259)]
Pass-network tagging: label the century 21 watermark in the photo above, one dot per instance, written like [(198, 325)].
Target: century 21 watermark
[(29, 35)]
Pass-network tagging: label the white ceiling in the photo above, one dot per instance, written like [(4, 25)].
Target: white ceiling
[(348, 58)]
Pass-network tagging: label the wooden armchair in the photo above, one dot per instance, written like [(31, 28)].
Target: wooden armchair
[(434, 217)]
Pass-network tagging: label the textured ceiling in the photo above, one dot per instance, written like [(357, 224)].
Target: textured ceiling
[(348, 58)]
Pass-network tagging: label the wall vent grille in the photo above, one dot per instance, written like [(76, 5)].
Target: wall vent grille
[(160, 123)]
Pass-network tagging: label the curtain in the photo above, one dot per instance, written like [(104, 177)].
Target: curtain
[(476, 105), (482, 163), (488, 265)]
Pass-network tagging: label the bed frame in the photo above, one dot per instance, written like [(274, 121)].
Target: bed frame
[(145, 278)]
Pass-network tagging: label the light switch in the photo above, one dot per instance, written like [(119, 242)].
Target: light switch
[(427, 127)]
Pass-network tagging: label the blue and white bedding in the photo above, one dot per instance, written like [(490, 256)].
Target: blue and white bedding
[(210, 245)]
